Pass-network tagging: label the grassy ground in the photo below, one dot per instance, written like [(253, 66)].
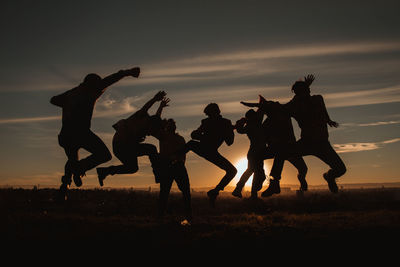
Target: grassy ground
[(352, 218)]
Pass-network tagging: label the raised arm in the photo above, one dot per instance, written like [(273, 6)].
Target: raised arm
[(115, 77), (250, 105), (157, 97), (163, 104)]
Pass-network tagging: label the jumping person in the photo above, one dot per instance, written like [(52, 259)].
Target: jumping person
[(206, 140), (311, 115), (251, 125), (279, 134), (127, 142), (77, 110)]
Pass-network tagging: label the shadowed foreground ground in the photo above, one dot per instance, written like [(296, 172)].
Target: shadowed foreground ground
[(352, 218)]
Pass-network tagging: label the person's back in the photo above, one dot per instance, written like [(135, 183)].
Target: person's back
[(135, 128), (278, 128), (77, 110), (310, 113), (215, 131)]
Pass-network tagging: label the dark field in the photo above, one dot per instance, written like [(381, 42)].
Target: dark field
[(351, 219)]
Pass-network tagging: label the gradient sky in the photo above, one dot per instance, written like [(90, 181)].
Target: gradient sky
[(200, 52)]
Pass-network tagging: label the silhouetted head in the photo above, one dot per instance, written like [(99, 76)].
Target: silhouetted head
[(92, 80), (250, 115), (170, 126), (212, 110), (301, 88)]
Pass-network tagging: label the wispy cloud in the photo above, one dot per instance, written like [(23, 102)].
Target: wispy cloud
[(29, 119), (107, 106), (369, 124), (357, 147)]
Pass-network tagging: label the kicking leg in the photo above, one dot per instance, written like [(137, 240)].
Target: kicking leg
[(302, 169), (328, 155)]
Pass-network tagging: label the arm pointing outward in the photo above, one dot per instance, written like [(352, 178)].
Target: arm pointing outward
[(115, 77)]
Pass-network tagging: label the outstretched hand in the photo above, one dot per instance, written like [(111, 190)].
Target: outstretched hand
[(164, 102), (134, 72), (160, 96), (333, 124), (309, 79)]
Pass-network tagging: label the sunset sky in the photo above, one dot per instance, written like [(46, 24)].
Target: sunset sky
[(200, 52)]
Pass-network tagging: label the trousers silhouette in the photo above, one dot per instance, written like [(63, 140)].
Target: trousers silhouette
[(72, 142), (175, 172), (256, 159), (128, 155), (321, 149), (211, 154)]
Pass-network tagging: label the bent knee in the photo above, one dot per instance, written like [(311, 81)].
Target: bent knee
[(106, 156), (342, 170), (232, 171)]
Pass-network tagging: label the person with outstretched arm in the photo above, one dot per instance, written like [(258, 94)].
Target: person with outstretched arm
[(312, 117), (213, 131), (77, 110), (128, 139), (278, 132)]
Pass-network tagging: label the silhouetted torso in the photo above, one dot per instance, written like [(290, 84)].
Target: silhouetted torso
[(311, 115), (277, 127), (170, 144), (78, 103), (77, 109), (215, 131), (135, 128)]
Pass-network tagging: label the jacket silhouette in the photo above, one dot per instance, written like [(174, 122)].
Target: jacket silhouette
[(206, 140)]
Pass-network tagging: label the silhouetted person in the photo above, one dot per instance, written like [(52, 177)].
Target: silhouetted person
[(77, 109), (172, 158), (251, 125), (212, 132), (127, 142), (311, 114), (279, 135)]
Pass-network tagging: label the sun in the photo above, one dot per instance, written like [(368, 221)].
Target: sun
[(241, 166)]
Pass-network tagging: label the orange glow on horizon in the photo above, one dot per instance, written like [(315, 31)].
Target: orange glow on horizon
[(241, 166)]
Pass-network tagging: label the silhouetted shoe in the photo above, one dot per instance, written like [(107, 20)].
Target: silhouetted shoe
[(77, 179), (273, 188), (331, 183), (212, 196), (77, 173), (237, 193), (101, 175)]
